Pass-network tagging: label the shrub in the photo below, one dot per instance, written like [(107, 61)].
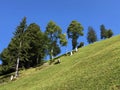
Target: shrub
[(81, 44), (6, 69)]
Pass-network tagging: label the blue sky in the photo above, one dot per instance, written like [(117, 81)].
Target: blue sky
[(87, 12)]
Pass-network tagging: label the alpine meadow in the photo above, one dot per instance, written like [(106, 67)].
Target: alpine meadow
[(93, 67), (60, 45)]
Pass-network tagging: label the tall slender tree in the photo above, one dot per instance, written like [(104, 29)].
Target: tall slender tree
[(56, 37), (74, 30), (91, 36), (19, 37), (103, 32)]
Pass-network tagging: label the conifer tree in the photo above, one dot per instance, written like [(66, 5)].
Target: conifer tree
[(103, 32), (19, 37), (109, 33), (37, 42), (91, 36)]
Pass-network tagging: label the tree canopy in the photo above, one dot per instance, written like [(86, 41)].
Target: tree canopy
[(74, 30), (56, 37), (105, 33)]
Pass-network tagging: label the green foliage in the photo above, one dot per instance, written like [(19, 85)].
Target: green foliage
[(6, 69), (81, 44), (56, 37), (53, 31), (37, 42), (63, 40), (15, 48), (17, 43), (94, 67), (5, 56), (74, 30), (29, 44), (21, 29), (105, 33), (91, 36), (109, 33), (56, 49)]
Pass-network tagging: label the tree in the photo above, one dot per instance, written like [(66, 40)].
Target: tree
[(109, 33), (56, 37), (37, 42), (56, 49), (7, 62), (74, 30), (103, 32), (29, 46), (91, 36), (9, 55), (63, 40), (5, 56), (19, 37)]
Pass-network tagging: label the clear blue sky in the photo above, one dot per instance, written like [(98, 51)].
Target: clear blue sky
[(87, 12)]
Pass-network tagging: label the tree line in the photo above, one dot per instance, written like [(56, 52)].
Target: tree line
[(29, 45), (104, 33)]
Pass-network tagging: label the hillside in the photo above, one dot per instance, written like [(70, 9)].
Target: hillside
[(94, 67)]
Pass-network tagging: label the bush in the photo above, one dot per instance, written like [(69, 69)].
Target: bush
[(81, 44), (6, 69)]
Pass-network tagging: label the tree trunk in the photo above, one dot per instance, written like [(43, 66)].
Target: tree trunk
[(76, 49), (51, 54), (17, 65), (74, 43), (38, 61), (71, 53), (18, 60)]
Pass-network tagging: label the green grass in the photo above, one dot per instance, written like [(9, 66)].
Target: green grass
[(94, 67)]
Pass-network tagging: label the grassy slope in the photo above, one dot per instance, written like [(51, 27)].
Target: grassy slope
[(94, 67)]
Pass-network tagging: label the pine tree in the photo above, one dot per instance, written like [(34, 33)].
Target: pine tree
[(103, 32), (37, 42), (91, 36), (19, 40), (109, 33)]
